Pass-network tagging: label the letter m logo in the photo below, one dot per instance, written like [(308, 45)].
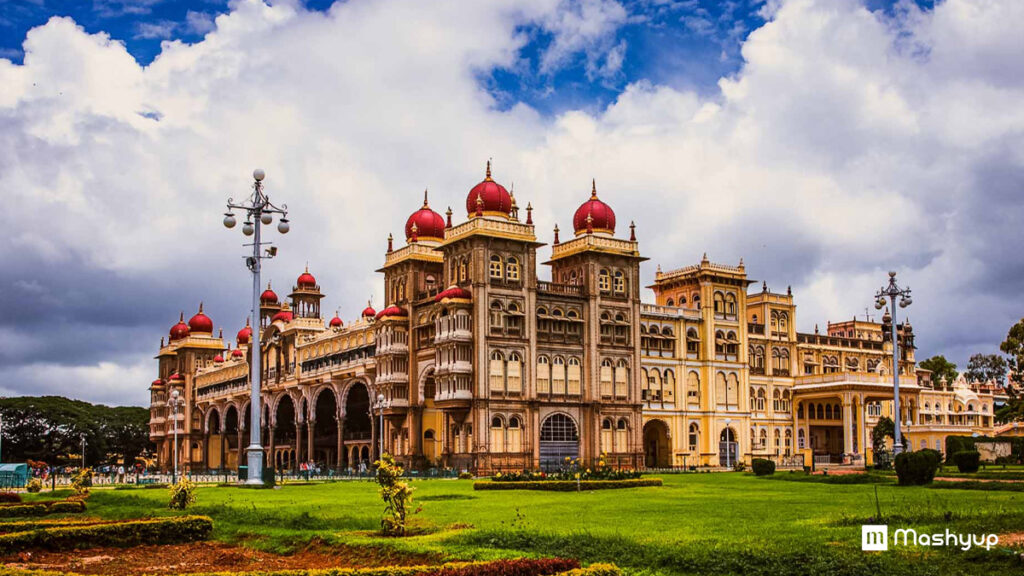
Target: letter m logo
[(874, 537)]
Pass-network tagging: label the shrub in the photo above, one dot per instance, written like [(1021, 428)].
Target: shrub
[(739, 466), (130, 533), (567, 485), (465, 475), (762, 467), (10, 497), (82, 481), (67, 506), (397, 496), (916, 468), (967, 460), (183, 494), (34, 486)]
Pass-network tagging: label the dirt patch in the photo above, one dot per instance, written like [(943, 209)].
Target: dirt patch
[(204, 557), (1015, 539)]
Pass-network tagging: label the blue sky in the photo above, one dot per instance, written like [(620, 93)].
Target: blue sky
[(685, 44)]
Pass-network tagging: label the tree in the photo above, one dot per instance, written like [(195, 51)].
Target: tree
[(884, 427), (986, 368), (50, 429), (942, 370), (1013, 347)]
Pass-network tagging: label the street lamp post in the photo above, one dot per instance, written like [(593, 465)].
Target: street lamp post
[(892, 291), (258, 210), (176, 402), (83, 451), (379, 407)]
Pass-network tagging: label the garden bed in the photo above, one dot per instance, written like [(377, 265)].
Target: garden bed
[(127, 533), (566, 485)]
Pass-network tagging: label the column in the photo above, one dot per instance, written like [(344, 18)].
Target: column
[(847, 426), (241, 439), (271, 456), (341, 444), (310, 431), (865, 437), (298, 443)]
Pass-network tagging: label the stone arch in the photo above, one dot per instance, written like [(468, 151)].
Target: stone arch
[(657, 444)]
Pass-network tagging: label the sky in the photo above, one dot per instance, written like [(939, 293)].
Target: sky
[(824, 142)]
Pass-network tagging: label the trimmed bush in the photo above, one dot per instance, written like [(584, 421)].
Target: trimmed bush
[(762, 467), (916, 468), (465, 475), (967, 460), (183, 494), (34, 486), (130, 533), (10, 497), (567, 485)]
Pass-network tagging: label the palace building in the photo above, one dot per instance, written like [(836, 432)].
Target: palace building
[(474, 362)]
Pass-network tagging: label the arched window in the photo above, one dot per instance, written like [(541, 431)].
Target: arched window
[(607, 377), (693, 388), (670, 302), (730, 304), (668, 386), (763, 438), (607, 436), (558, 375), (719, 301), (512, 269), (604, 283), (514, 438), (515, 373), (720, 390), (497, 372), (543, 375), (497, 434), (622, 379), (496, 268), (692, 341), (621, 435), (760, 400), (620, 282), (694, 436), (574, 376)]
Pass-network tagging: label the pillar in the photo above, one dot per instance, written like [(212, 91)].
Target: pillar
[(298, 442), (310, 431), (341, 443), (847, 426), (271, 455)]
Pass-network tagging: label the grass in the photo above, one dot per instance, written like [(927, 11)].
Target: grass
[(695, 524)]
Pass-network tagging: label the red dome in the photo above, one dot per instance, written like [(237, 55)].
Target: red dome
[(218, 358), (391, 311), (306, 280), (268, 296), (495, 199), (158, 382), (602, 217), (245, 334), (453, 292), (369, 312), (237, 353), (336, 322), (200, 322), (429, 224), (175, 376), (179, 330), (284, 316)]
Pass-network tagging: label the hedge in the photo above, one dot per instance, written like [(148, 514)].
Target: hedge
[(762, 467), (10, 497), (26, 525), (567, 485), (917, 468), (68, 506), (129, 533), (518, 567), (967, 460)]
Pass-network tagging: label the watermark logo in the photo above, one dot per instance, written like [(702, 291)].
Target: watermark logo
[(875, 537)]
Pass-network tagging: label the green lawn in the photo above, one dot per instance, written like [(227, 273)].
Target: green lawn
[(694, 524)]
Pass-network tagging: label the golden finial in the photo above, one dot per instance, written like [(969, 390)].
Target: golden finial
[(268, 284), (181, 316), (425, 204), (593, 189), (200, 306), (488, 177)]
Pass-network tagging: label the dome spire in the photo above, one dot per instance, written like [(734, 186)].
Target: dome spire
[(488, 176), (425, 203), (448, 222), (593, 188)]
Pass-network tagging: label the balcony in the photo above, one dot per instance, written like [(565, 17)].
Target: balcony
[(560, 289)]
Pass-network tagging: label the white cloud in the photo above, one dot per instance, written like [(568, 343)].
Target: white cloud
[(849, 143)]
